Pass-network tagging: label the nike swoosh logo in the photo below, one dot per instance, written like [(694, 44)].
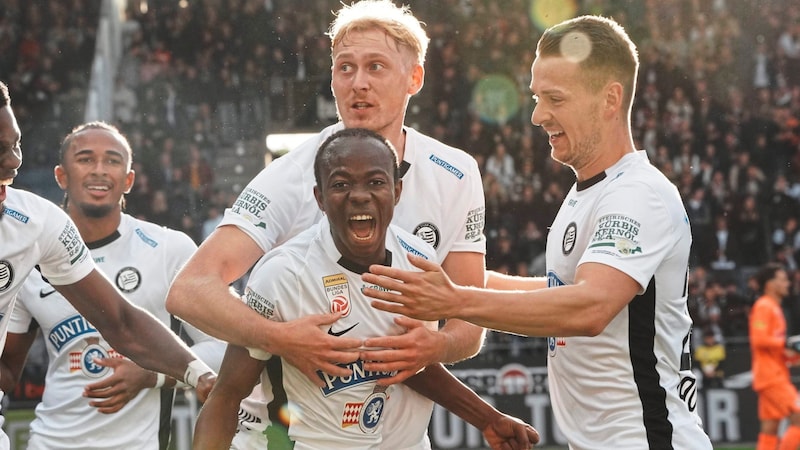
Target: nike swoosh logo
[(339, 333), (43, 293)]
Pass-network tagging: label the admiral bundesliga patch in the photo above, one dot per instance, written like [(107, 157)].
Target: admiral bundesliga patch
[(367, 414), (338, 292)]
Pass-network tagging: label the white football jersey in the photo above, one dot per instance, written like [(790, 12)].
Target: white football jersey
[(140, 259), (631, 386), (307, 275), (36, 231), (442, 203)]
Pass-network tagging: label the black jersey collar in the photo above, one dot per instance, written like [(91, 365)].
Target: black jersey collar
[(404, 166), (355, 267), (589, 182), (104, 241)]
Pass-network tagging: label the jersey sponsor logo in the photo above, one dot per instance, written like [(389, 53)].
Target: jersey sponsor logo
[(251, 205), (337, 289), (617, 232), (339, 333), (100, 259), (568, 241), (73, 244), (128, 279), (407, 247), (6, 275), (259, 303), (429, 233), (514, 379), (446, 166), (475, 223), (15, 215), (334, 384), (68, 330), (145, 238), (553, 280), (46, 292), (572, 202)]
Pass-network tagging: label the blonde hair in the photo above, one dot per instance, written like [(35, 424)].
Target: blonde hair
[(396, 21)]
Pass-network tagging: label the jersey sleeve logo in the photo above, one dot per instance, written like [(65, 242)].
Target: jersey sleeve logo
[(618, 232), (6, 275)]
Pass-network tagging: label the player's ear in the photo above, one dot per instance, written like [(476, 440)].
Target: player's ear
[(129, 180), (61, 177), (318, 196), (417, 79)]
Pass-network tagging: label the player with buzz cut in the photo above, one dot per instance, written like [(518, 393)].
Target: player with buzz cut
[(85, 375), (358, 185)]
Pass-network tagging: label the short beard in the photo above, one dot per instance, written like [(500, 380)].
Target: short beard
[(93, 211)]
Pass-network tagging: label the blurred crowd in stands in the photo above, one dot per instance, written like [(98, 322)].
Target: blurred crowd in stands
[(718, 111)]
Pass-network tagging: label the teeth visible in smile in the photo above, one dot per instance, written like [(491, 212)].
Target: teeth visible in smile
[(360, 105), (555, 133), (98, 188), (361, 217)]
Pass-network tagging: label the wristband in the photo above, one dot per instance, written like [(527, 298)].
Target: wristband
[(160, 379), (194, 371)]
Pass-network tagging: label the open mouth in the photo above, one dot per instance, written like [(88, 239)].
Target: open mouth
[(362, 227)]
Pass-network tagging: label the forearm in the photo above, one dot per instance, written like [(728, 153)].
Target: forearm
[(216, 423), (463, 340), (207, 303), (503, 282), (158, 349), (441, 386)]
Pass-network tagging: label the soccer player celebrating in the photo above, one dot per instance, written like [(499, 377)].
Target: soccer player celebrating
[(36, 232), (358, 185), (141, 258), (614, 306)]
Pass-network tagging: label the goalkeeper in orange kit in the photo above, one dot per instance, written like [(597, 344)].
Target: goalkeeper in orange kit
[(777, 396)]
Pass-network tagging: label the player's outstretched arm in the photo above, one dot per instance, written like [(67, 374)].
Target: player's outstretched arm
[(216, 423), (201, 296), (131, 330), (408, 353), (12, 361), (501, 431)]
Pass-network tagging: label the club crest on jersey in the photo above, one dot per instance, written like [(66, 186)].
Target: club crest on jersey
[(6, 275), (84, 360), (568, 241), (367, 414), (553, 343), (429, 233), (337, 289), (128, 279)]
